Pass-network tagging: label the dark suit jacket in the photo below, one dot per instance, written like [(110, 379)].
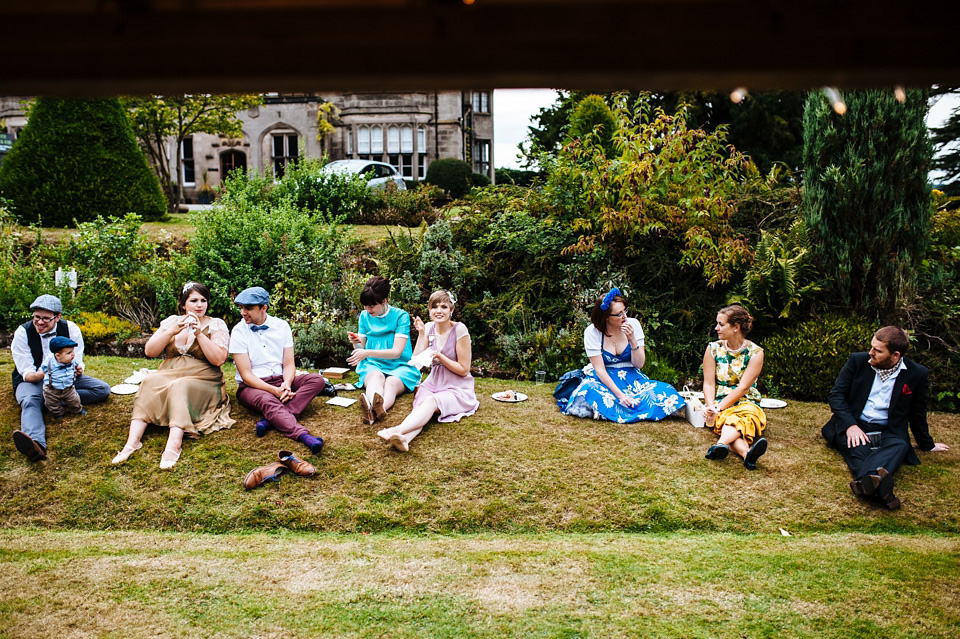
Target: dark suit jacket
[(908, 404)]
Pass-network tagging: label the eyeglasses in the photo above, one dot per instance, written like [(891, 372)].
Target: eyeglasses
[(43, 319), (622, 314)]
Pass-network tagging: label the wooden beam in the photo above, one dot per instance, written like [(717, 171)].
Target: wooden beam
[(142, 46)]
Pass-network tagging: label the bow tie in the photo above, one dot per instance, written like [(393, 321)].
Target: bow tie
[(49, 335), (261, 327)]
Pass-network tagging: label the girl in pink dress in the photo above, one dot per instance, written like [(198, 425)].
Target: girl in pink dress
[(448, 392)]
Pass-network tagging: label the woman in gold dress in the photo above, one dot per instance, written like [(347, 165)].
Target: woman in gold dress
[(186, 393)]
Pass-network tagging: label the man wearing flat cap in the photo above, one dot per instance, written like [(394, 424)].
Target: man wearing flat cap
[(30, 348), (262, 349)]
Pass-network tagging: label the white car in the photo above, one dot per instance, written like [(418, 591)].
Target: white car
[(380, 173)]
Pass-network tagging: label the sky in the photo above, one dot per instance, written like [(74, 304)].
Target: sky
[(513, 109)]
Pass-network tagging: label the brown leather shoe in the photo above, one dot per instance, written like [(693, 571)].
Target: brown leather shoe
[(366, 413), (870, 483), (297, 466), (884, 490), (30, 448), (378, 411), (260, 476)]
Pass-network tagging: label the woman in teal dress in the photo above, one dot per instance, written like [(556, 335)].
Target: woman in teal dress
[(381, 351)]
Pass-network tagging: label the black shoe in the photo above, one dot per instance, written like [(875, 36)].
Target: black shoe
[(328, 390), (30, 448), (756, 451), (718, 451)]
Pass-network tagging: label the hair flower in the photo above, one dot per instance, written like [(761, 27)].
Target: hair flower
[(608, 298), (187, 287), (453, 298)]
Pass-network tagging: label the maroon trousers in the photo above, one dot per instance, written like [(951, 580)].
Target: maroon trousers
[(283, 415)]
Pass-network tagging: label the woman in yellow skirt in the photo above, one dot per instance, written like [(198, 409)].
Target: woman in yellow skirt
[(731, 366)]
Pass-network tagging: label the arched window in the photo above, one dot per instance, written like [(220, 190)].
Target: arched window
[(376, 141), (285, 150), (363, 142)]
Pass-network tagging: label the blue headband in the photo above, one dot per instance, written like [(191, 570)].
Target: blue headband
[(605, 304)]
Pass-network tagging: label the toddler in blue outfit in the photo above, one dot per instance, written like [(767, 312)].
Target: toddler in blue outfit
[(60, 372)]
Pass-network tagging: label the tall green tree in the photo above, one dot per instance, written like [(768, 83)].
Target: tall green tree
[(946, 139), (867, 201), (592, 116), (77, 159), (159, 118)]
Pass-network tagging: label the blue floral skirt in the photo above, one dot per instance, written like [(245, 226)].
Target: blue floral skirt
[(655, 400)]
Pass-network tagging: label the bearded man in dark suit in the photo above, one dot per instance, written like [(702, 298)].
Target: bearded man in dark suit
[(881, 393)]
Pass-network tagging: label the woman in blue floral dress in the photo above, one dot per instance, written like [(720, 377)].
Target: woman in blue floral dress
[(613, 387)]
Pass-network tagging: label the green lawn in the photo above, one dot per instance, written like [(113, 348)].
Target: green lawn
[(144, 584), (517, 521)]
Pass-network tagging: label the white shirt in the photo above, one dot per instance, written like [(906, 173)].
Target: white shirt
[(593, 340), (23, 358), (264, 348), (878, 403)]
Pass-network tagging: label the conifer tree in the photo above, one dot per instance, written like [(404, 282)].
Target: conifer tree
[(77, 159), (867, 199), (947, 140)]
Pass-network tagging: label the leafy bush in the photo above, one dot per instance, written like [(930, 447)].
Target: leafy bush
[(451, 175), (24, 271), (76, 160), (331, 196), (555, 351), (390, 205), (782, 277), (323, 343), (97, 327), (254, 239), (516, 177), (479, 180), (803, 361)]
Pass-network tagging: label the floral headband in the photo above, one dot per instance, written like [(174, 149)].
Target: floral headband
[(608, 298), (187, 287)]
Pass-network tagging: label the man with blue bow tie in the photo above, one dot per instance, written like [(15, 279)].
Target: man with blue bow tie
[(262, 349), (30, 348)]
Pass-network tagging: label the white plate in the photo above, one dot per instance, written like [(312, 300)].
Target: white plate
[(769, 402), (517, 397), (124, 389)]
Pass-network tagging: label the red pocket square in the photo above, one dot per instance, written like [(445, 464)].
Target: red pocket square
[(906, 390)]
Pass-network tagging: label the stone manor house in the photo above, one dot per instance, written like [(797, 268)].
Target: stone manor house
[(407, 130)]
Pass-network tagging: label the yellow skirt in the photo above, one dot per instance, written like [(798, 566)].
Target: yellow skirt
[(746, 417)]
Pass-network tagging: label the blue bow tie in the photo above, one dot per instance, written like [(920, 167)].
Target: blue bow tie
[(261, 327)]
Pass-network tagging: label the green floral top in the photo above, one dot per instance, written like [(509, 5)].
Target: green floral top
[(730, 369)]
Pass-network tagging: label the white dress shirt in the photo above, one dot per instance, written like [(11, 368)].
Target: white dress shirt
[(878, 403), (23, 358), (264, 348)]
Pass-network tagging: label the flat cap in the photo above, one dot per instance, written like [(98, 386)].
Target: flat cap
[(59, 343), (48, 303), (254, 295)]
